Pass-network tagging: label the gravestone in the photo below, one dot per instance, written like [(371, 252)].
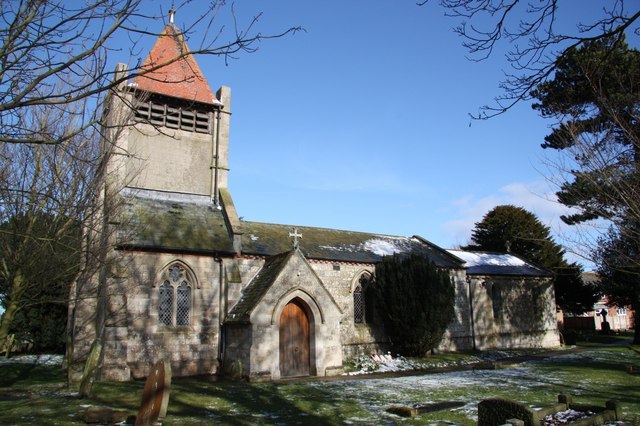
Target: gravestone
[(155, 397), (153, 407)]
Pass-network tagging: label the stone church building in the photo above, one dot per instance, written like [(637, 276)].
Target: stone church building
[(185, 280)]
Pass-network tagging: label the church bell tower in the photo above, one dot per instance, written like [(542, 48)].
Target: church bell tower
[(177, 138)]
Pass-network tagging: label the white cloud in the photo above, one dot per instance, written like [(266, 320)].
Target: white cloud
[(537, 197)]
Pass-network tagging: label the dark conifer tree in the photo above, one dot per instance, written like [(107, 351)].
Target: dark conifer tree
[(415, 301), (514, 229), (595, 98)]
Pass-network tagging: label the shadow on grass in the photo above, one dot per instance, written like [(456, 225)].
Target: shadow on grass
[(236, 403), (29, 374), (199, 400)]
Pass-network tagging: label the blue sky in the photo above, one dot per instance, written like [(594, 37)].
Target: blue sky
[(361, 122)]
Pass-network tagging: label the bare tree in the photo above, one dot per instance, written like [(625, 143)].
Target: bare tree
[(54, 141), (45, 192), (535, 36), (44, 43)]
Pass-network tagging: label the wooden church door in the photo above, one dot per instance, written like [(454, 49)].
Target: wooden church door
[(294, 341)]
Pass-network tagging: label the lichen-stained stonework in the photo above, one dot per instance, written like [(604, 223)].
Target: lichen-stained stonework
[(134, 334), (183, 279)]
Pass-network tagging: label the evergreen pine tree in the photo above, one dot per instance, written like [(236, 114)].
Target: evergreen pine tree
[(513, 229), (415, 301)]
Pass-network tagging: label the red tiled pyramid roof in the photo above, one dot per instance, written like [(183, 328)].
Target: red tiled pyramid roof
[(179, 79)]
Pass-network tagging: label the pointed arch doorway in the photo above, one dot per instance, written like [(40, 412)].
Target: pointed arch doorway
[(295, 345)]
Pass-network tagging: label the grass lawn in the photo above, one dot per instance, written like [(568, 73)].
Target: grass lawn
[(35, 395)]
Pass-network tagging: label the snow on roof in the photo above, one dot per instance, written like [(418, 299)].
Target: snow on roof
[(483, 259), (484, 263), (385, 247), (381, 245)]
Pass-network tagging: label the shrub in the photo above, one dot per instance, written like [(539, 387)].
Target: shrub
[(415, 301)]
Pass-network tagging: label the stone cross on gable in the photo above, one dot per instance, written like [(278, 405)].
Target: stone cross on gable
[(295, 236)]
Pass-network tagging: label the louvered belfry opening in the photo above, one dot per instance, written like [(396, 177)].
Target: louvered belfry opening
[(163, 111)]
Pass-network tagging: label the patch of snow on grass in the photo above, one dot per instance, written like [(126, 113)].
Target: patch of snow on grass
[(564, 417), (468, 386), (367, 364), (33, 359)]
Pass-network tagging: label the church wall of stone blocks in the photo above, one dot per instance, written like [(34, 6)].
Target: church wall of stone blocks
[(183, 279)]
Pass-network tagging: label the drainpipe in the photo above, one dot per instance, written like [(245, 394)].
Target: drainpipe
[(216, 154), (222, 313)]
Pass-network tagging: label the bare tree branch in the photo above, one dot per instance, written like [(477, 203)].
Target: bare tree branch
[(534, 36), (44, 43)]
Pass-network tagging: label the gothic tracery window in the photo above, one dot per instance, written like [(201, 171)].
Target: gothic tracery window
[(174, 298)]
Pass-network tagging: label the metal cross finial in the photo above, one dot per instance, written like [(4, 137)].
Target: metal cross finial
[(295, 236), (172, 13)]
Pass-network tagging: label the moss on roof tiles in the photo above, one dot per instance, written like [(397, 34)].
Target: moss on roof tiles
[(267, 239), (148, 223), (257, 288), (161, 224)]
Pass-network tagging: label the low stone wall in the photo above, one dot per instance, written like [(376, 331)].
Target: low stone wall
[(499, 411)]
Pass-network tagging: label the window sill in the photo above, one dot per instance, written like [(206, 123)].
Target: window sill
[(174, 329)]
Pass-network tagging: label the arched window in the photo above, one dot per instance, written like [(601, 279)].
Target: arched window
[(358, 305), (362, 303), (174, 297)]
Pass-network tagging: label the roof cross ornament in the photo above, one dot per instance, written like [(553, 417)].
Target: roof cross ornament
[(295, 237), (172, 13)]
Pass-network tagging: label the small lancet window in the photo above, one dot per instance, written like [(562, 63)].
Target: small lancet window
[(358, 305), (183, 305), (362, 303), (174, 298), (165, 304)]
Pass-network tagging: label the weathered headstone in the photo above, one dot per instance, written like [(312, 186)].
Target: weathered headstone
[(104, 415), (155, 397)]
